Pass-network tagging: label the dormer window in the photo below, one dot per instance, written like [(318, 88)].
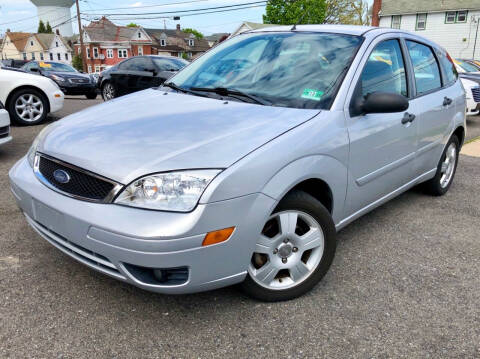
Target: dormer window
[(56, 43), (163, 42), (139, 35), (191, 42), (31, 43)]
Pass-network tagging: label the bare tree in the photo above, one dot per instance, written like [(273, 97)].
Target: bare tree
[(353, 12)]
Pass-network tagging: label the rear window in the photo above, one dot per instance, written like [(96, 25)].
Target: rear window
[(425, 67)]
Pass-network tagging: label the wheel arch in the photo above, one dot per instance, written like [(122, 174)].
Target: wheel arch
[(460, 133), (13, 91)]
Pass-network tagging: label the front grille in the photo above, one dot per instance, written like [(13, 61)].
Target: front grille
[(476, 94), (4, 131), (81, 184), (79, 81)]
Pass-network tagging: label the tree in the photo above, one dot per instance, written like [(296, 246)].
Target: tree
[(41, 28), (197, 34), (355, 12), (77, 62), (49, 29), (132, 24), (289, 12)]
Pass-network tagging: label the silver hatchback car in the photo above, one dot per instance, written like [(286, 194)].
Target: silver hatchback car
[(242, 168)]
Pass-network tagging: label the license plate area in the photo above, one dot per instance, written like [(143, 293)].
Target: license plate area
[(48, 217)]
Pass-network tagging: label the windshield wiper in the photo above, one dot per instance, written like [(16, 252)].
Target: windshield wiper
[(181, 89), (222, 91)]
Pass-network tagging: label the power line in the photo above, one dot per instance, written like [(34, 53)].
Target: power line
[(146, 6)]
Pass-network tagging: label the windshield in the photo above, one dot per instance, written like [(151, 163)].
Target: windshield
[(55, 66), (169, 64), (300, 70), (468, 67)]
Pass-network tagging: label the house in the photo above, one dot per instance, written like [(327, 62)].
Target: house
[(247, 26), (216, 38), (28, 46), (453, 24), (175, 42)]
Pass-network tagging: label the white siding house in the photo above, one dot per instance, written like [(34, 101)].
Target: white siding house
[(451, 23)]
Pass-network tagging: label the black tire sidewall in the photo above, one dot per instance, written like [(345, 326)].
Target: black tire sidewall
[(300, 201), (13, 113), (91, 96)]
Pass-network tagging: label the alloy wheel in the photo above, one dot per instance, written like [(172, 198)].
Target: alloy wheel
[(288, 250), (448, 165), (29, 107), (108, 92)]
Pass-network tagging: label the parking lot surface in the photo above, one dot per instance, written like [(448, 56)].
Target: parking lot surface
[(405, 283)]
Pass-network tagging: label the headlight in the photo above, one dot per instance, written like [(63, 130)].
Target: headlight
[(58, 78), (173, 191), (33, 148)]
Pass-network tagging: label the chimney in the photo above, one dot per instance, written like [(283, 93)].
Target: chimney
[(178, 27), (376, 8), (8, 30), (57, 31)]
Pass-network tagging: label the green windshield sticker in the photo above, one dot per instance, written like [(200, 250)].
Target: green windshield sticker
[(312, 94)]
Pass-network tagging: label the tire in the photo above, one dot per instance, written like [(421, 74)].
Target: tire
[(28, 107), (108, 91), (299, 268), (91, 95), (440, 184)]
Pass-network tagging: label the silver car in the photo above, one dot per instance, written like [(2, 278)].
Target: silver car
[(243, 167)]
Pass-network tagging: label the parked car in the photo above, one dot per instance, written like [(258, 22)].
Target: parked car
[(4, 126), (472, 95), (138, 73), (13, 63), (245, 176), (29, 98), (70, 81)]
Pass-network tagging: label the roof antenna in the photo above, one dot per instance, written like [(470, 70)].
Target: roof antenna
[(294, 27)]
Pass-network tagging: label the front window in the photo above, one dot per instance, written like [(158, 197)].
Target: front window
[(56, 67), (95, 53), (51, 57), (122, 53), (41, 56), (421, 22), (59, 56), (109, 53), (450, 17), (33, 56), (396, 20), (425, 67), (462, 16), (299, 70), (140, 50)]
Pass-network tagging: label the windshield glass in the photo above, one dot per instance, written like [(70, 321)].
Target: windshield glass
[(468, 67), (55, 66), (165, 64), (300, 70)]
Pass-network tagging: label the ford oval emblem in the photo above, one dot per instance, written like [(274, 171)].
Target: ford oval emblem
[(61, 176)]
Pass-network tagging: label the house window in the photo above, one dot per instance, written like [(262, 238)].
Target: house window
[(31, 43), (109, 53), (396, 20), (88, 52), (33, 56), (421, 22), (24, 55), (41, 56), (140, 50), (89, 69), (191, 42), (122, 53), (95, 52), (97, 68), (59, 57), (51, 57), (450, 17), (163, 42), (56, 43), (462, 16), (66, 56), (139, 35)]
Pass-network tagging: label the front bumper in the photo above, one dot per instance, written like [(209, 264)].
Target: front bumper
[(4, 127), (56, 100), (114, 239), (78, 89)]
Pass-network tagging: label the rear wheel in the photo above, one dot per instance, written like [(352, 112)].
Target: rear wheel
[(28, 107), (294, 250), (440, 184), (108, 91), (91, 95)]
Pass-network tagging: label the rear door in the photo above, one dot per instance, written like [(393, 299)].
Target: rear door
[(133, 75), (434, 104), (382, 145)]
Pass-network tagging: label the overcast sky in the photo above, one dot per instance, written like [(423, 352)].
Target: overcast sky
[(20, 15)]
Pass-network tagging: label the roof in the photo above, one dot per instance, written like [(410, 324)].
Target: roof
[(19, 39), (339, 29), (45, 40), (217, 36), (393, 7), (176, 40)]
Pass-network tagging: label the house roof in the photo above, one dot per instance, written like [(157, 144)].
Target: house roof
[(176, 40), (19, 39), (217, 36), (394, 7), (45, 40)]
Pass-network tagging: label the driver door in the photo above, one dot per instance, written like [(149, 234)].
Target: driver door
[(382, 145)]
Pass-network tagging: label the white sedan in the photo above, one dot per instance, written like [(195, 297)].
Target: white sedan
[(472, 94), (4, 126), (28, 98)]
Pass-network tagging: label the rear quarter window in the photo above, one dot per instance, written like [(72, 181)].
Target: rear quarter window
[(448, 67)]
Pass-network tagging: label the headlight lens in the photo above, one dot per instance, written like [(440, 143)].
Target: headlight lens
[(32, 151), (58, 78), (173, 191)]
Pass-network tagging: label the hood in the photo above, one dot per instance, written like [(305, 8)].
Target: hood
[(67, 75), (156, 131)]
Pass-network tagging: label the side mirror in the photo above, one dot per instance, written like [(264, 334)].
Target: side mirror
[(380, 102)]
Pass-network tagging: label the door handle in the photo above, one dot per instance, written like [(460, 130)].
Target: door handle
[(447, 101), (407, 118)]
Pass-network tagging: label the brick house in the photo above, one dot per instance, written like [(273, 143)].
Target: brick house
[(108, 44)]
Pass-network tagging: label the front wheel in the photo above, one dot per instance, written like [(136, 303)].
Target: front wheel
[(28, 107), (440, 184), (91, 95), (294, 250)]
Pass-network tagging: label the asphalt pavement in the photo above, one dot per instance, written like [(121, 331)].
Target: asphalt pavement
[(405, 283)]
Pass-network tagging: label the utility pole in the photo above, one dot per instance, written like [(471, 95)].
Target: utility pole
[(82, 49), (476, 36)]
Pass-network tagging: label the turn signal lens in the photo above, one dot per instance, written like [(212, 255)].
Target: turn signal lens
[(57, 95), (218, 236)]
